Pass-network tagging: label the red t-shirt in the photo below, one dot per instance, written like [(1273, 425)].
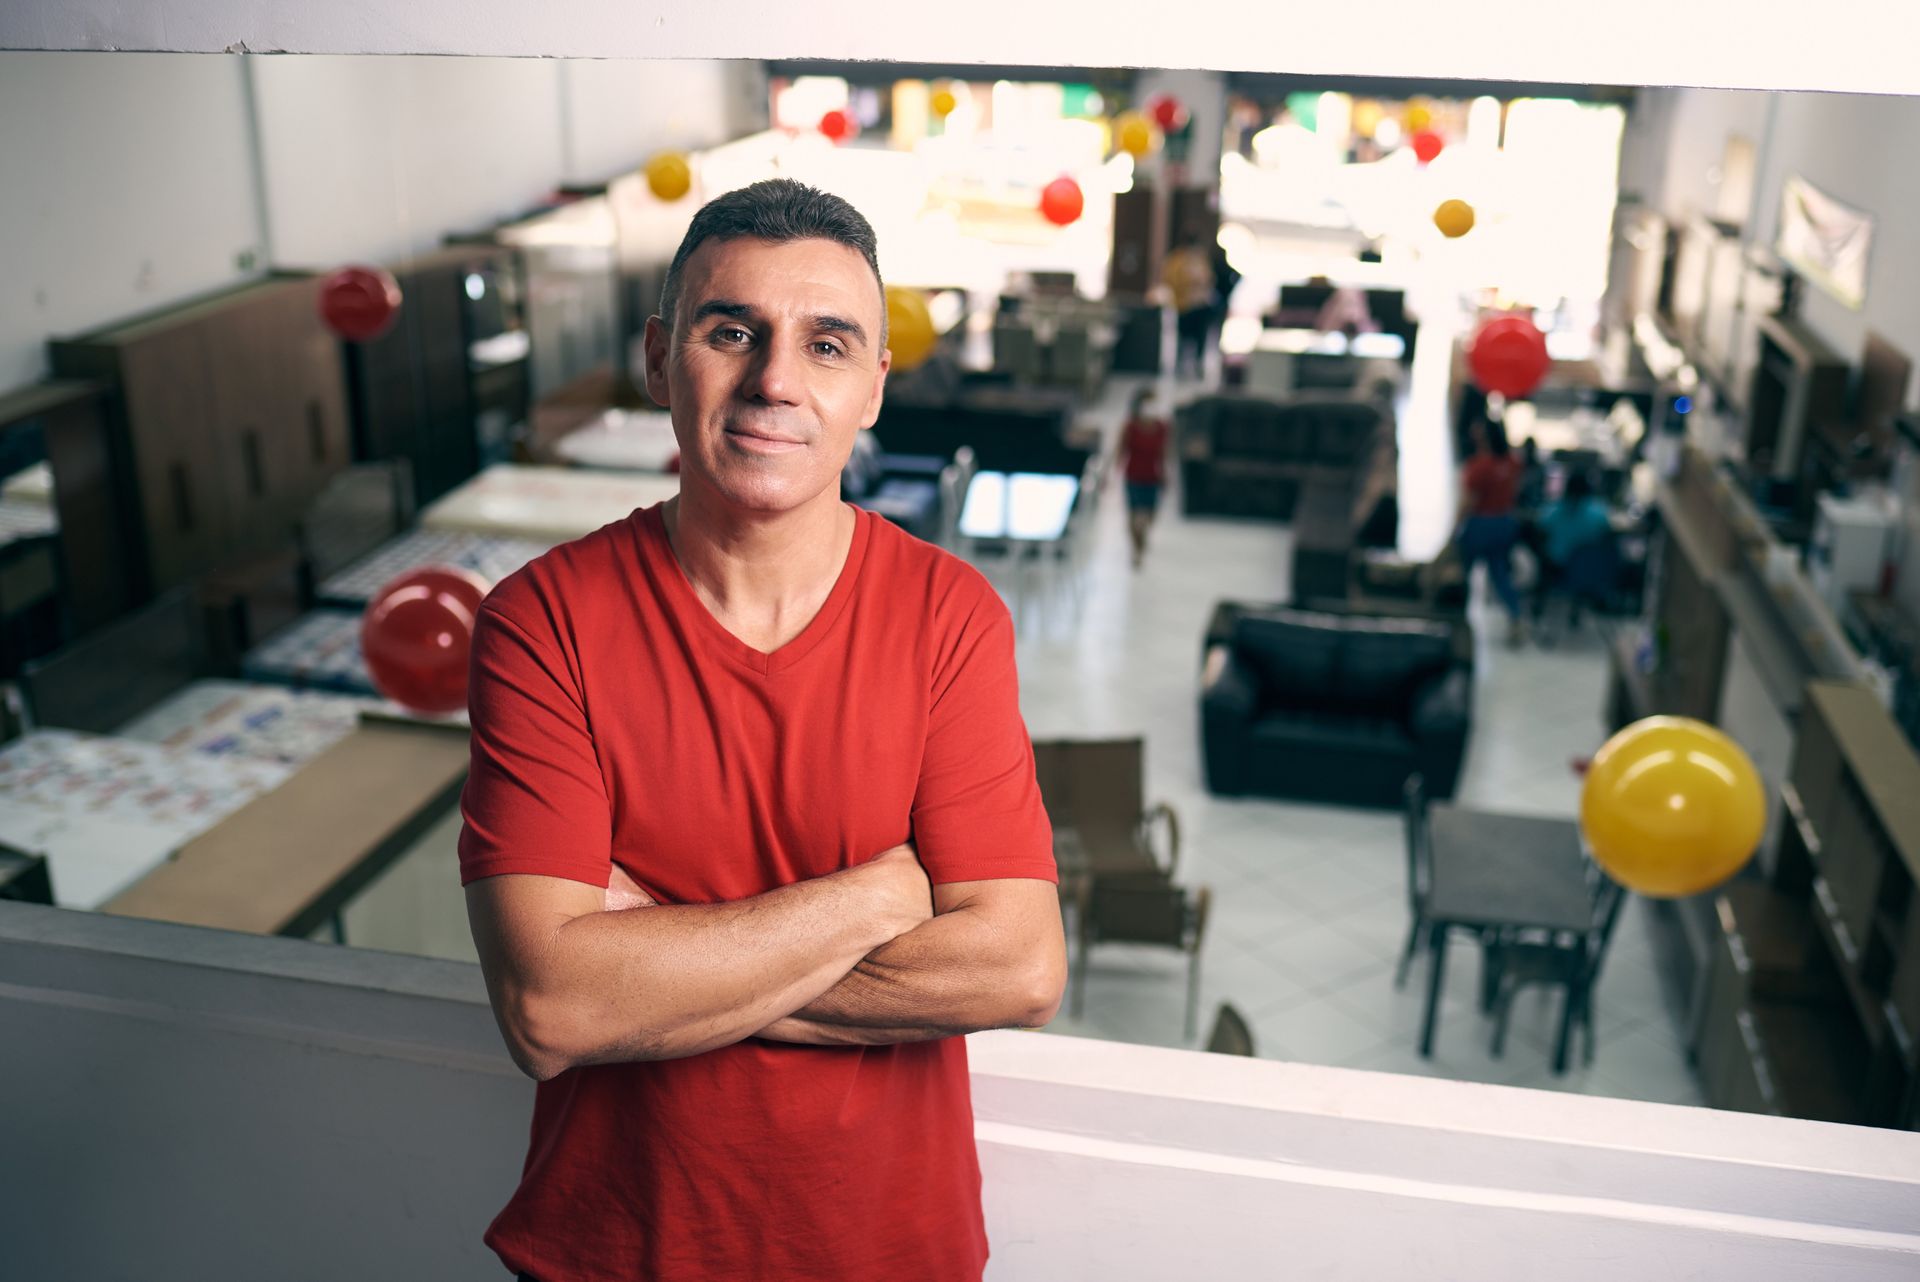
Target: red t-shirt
[(1492, 484), (1144, 442), (615, 719)]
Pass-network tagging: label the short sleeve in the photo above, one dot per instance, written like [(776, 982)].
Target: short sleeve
[(535, 800), (977, 813)]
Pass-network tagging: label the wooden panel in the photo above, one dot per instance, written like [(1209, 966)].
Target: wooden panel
[(169, 420), (95, 533), (318, 436), (1816, 766), (244, 381), (1733, 1069), (1853, 860), (287, 861)]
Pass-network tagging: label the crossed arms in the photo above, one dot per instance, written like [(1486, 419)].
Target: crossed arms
[(868, 955)]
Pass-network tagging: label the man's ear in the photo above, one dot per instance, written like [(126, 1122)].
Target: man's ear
[(658, 342), (871, 413)]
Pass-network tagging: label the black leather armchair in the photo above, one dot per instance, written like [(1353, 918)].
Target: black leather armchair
[(1333, 706)]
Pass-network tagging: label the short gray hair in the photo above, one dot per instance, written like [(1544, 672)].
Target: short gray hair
[(777, 210)]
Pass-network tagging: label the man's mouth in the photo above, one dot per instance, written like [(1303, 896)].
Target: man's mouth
[(763, 442)]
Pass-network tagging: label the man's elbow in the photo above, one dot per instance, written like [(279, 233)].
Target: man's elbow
[(536, 1038), (1046, 981)]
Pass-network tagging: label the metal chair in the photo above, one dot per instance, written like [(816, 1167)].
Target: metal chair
[(1143, 908), (1571, 961), (1419, 882), (1419, 872)]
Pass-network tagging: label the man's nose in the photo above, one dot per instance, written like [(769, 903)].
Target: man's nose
[(776, 374)]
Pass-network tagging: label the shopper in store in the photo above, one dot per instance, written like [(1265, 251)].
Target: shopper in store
[(1489, 486)]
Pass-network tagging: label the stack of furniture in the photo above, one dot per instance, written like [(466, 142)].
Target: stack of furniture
[(1328, 466), (1299, 306), (1716, 573), (1813, 1006), (1334, 706), (452, 370), (63, 553), (228, 416), (1009, 429)]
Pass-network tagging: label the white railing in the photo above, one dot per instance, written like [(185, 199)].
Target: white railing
[(183, 1103)]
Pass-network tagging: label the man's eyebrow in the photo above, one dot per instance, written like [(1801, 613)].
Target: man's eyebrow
[(720, 307), (840, 325)]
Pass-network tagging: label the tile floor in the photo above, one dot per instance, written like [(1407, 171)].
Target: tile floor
[(1309, 909)]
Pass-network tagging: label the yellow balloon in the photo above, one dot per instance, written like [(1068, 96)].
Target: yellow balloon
[(669, 176), (943, 102), (1672, 807), (1367, 115), (1454, 218), (1133, 133), (1418, 118), (910, 333)]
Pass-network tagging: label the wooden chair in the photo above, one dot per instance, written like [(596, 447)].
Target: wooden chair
[(1097, 789), (1571, 961), (1144, 908), (1230, 1035)]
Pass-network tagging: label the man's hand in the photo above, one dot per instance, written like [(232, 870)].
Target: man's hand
[(907, 894)]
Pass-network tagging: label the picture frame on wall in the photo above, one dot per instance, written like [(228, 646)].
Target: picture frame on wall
[(1826, 240)]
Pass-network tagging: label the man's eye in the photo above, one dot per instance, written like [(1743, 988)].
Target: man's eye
[(731, 334), (824, 348)]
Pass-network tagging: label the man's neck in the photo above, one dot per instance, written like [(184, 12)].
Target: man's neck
[(762, 575)]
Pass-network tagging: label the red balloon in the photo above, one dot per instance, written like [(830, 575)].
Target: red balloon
[(417, 633), (359, 303), (837, 125), (1061, 201), (1167, 111), (1427, 145), (1509, 356)]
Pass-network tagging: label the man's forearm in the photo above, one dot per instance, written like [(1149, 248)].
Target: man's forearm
[(958, 973), (668, 981)]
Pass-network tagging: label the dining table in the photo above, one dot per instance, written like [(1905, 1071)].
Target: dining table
[(1496, 872)]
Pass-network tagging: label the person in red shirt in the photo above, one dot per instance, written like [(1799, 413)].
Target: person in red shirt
[(1143, 466), (752, 834), (1489, 485)]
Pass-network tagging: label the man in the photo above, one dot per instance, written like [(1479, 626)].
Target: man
[(703, 739)]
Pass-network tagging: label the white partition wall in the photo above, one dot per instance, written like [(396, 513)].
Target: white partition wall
[(190, 1104)]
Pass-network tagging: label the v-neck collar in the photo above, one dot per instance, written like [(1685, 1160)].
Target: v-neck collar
[(670, 578)]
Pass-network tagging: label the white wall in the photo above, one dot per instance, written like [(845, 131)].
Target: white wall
[(375, 158), (128, 186), (131, 181), (1865, 152), (1854, 147), (620, 111), (1693, 128)]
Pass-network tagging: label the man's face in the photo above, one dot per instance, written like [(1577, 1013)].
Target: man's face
[(775, 367)]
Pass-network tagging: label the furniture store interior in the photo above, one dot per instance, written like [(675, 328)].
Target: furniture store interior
[(1500, 418)]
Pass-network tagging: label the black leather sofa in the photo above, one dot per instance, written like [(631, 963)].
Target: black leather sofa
[(1245, 455), (1334, 706), (1010, 429)]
